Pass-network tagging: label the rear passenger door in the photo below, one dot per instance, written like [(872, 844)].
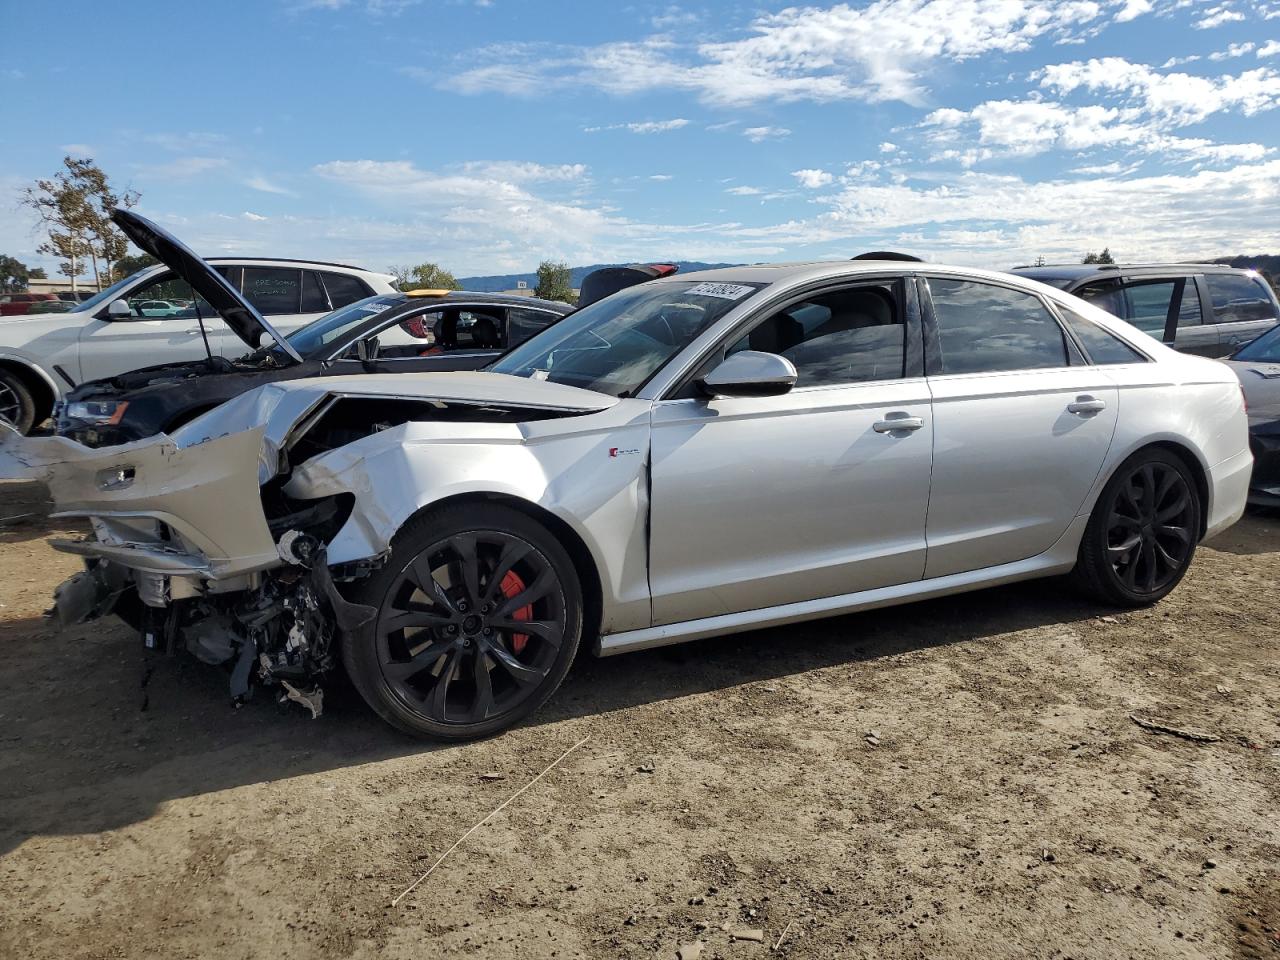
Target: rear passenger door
[(1176, 301), (1241, 306), (1021, 425)]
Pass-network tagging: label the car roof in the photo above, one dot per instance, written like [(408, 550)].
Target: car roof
[(1088, 271), (454, 297), (821, 269), (291, 261)]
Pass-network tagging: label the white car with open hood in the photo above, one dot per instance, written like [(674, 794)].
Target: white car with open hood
[(134, 323), (693, 456)]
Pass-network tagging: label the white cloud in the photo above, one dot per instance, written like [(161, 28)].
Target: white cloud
[(888, 147), (1217, 16), (181, 168), (1269, 49), (758, 134), (1233, 50), (645, 126), (877, 51), (1179, 98), (263, 185), (813, 179), (1132, 10), (518, 171), (744, 191), (661, 177), (253, 217)]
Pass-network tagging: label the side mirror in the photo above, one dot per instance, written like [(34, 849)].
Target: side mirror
[(750, 373), (367, 349), (119, 310)]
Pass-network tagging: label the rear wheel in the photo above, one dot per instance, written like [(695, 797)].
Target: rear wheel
[(1142, 535), (479, 617), (17, 405)]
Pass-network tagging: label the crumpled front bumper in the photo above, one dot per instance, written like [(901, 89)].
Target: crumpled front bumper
[(155, 506)]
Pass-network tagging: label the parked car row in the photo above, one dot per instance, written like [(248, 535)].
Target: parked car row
[(688, 456)]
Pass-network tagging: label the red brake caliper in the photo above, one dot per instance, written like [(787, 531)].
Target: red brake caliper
[(512, 586)]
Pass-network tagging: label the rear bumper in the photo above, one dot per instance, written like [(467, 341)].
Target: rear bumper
[(1228, 492), (1264, 489)]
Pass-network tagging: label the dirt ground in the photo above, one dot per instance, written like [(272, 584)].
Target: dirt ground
[(1005, 805)]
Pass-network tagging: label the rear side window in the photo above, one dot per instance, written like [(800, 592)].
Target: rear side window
[(852, 335), (1103, 346), (1106, 295), (273, 290), (344, 288), (1238, 299), (984, 328)]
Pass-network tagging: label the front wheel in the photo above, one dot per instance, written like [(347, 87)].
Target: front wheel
[(17, 405), (1142, 534), (479, 618)]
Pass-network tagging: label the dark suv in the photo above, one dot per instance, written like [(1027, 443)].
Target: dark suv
[(1204, 308)]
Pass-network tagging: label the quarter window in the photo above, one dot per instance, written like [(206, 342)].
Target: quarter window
[(344, 288), (846, 336), (1238, 299), (1106, 295), (273, 290), (1103, 346), (313, 297), (984, 328)]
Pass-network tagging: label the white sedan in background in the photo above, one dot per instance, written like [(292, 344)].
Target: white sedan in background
[(693, 456)]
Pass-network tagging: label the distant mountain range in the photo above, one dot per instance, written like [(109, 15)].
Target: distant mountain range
[(510, 281), (1268, 263)]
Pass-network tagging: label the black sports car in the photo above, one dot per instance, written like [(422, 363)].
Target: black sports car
[(393, 333), (1257, 364)]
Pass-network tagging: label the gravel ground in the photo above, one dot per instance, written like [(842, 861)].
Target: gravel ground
[(959, 778)]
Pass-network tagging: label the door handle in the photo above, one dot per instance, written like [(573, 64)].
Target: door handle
[(893, 422), (1086, 404), (192, 332)]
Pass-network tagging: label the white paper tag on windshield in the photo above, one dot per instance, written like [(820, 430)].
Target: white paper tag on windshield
[(724, 291)]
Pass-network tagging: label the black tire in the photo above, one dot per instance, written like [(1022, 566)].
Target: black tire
[(1142, 535), (17, 405), (448, 656)]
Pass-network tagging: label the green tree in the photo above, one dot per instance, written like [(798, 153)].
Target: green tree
[(75, 207), (15, 275), (425, 276), (554, 282), (1103, 257), (131, 264)]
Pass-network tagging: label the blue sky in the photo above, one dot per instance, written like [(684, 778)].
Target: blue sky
[(489, 135)]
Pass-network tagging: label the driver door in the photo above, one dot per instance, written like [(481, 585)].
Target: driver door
[(109, 347), (757, 502)]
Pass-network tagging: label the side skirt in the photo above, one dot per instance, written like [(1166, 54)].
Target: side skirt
[(1059, 559)]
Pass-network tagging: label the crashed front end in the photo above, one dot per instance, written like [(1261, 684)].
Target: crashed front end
[(212, 540)]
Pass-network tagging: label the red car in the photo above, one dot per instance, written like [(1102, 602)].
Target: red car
[(12, 304)]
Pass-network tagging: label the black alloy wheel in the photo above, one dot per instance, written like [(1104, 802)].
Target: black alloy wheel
[(479, 616), (1143, 532)]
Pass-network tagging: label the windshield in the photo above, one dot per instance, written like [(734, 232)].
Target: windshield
[(1266, 349), (616, 344), (109, 294), (334, 326)]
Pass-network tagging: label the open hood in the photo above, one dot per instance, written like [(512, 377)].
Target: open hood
[(240, 315)]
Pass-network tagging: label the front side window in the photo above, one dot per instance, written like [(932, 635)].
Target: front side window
[(1105, 295), (478, 331), (983, 328), (616, 344), (1104, 348), (1238, 298), (845, 336), (274, 291), (523, 324)]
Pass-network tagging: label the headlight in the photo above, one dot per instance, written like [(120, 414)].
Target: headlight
[(97, 411)]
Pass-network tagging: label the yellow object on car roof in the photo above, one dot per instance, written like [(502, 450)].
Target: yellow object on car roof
[(427, 293)]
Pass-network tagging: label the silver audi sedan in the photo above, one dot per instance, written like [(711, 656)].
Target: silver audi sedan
[(697, 455)]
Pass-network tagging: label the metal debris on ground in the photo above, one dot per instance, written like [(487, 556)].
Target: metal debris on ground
[(313, 700), (1157, 726)]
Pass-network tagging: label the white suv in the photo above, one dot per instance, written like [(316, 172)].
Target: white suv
[(116, 331)]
